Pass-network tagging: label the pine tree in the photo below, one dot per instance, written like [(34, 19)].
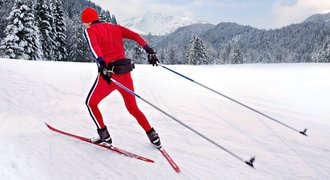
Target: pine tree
[(71, 42), (226, 54), (161, 56), (323, 55), (105, 16), (60, 51), (44, 21), (196, 54), (51, 10), (138, 55), (21, 40), (5, 8), (236, 56), (149, 39), (171, 56), (2, 2), (113, 20), (77, 46)]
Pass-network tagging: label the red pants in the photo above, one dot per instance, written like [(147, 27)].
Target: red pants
[(101, 89)]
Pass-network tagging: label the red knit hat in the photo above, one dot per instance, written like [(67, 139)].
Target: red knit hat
[(89, 15)]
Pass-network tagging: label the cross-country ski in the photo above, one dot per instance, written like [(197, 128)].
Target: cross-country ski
[(169, 159), (112, 148)]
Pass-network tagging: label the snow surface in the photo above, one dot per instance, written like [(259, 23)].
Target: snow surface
[(33, 92)]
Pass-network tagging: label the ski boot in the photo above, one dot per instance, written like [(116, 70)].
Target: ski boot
[(104, 137), (154, 138)]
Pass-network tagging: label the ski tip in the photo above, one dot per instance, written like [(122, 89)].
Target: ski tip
[(303, 132), (47, 124), (177, 170), (250, 162), (50, 127)]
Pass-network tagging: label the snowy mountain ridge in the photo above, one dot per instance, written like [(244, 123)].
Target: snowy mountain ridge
[(303, 42), (320, 18), (158, 23)]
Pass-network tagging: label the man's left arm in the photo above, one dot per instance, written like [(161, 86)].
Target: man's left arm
[(126, 33)]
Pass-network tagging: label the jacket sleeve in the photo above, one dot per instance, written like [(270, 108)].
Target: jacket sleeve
[(92, 43), (126, 33)]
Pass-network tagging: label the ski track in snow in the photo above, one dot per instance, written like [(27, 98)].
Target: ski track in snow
[(297, 94)]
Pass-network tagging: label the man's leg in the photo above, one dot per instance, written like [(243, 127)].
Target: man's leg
[(130, 101), (98, 92)]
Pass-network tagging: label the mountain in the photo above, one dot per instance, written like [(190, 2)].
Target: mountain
[(302, 42), (320, 18), (157, 23), (183, 34)]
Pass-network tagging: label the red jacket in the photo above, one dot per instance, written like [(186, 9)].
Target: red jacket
[(106, 40)]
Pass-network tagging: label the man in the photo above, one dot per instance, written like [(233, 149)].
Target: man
[(106, 43)]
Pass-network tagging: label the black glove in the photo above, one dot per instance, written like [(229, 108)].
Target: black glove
[(102, 69), (152, 58)]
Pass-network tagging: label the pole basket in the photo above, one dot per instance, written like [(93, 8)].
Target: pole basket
[(250, 162)]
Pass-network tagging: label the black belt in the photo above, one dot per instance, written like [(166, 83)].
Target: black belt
[(121, 66)]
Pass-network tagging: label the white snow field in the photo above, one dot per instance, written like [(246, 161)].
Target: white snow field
[(34, 92)]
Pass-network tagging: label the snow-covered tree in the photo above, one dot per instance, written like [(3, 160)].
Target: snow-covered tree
[(113, 19), (60, 51), (5, 8), (171, 56), (226, 54), (161, 56), (149, 39), (323, 56), (139, 56), (44, 21), (2, 2), (77, 46), (105, 16), (21, 35), (236, 56), (196, 54)]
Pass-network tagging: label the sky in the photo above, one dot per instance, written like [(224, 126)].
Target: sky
[(263, 14)]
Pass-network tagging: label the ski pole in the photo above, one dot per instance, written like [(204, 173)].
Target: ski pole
[(249, 162), (244, 105)]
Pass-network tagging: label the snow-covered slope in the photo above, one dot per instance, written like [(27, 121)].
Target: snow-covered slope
[(157, 23), (298, 94)]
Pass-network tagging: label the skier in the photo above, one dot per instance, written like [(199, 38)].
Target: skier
[(106, 43)]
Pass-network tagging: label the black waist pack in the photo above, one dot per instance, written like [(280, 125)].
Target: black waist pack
[(121, 66)]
